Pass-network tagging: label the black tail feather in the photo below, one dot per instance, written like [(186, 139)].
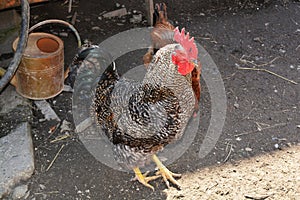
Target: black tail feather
[(82, 54)]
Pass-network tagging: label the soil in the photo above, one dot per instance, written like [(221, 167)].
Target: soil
[(257, 178), (262, 108)]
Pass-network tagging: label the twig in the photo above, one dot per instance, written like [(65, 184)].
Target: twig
[(70, 6), (248, 114), (209, 188), (208, 38), (245, 61), (45, 193), (73, 20), (50, 192), (53, 130), (55, 157), (61, 137), (229, 77), (246, 133), (268, 71), (229, 153), (260, 126), (267, 63)]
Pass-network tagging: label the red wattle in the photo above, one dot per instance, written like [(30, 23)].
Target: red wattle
[(184, 66)]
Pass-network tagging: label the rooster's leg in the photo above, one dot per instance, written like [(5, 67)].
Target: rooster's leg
[(143, 179), (165, 173)]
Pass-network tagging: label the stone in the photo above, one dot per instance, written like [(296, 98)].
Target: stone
[(116, 13), (137, 18), (17, 159), (248, 149), (19, 192), (10, 99), (46, 110)]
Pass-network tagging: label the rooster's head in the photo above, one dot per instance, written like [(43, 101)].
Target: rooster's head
[(185, 55)]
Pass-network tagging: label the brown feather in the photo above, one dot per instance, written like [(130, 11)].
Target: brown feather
[(196, 84), (162, 33)]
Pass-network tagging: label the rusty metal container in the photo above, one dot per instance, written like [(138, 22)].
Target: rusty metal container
[(41, 72)]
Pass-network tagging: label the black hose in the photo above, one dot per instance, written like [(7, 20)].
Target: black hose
[(13, 66)]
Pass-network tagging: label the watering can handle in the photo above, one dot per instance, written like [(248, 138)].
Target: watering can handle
[(57, 21)]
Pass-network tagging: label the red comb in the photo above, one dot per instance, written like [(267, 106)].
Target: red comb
[(187, 43)]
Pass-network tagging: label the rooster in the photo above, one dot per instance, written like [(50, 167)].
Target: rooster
[(161, 35), (141, 118)]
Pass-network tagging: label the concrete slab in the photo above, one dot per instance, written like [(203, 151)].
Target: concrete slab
[(10, 99), (16, 148), (14, 110), (17, 159)]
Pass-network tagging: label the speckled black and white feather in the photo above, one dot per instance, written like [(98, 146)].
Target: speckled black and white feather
[(141, 118)]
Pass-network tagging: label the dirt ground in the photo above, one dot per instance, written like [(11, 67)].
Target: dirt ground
[(256, 157), (271, 176)]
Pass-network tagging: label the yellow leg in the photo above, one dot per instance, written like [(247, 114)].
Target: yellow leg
[(143, 179), (165, 173)]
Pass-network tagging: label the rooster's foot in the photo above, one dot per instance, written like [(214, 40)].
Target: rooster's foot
[(143, 179), (165, 173)]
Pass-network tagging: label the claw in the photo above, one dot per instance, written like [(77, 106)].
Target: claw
[(166, 174), (143, 179)]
